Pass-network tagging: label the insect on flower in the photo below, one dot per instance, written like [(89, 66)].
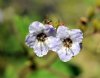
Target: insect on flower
[(67, 43), (38, 37)]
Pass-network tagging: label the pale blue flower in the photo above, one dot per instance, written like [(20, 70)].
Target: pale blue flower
[(38, 37), (66, 43)]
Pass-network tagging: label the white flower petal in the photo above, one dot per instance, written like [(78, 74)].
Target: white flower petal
[(36, 27), (30, 40), (54, 43), (75, 48), (40, 49), (64, 54), (62, 32), (47, 25), (76, 35), (49, 30)]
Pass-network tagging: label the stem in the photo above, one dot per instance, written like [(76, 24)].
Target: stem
[(56, 72)]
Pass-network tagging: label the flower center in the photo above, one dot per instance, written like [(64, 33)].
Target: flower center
[(41, 37), (67, 42)]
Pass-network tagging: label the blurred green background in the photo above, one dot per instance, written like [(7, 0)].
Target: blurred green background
[(19, 61)]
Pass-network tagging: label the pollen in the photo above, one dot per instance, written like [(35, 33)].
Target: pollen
[(67, 42), (41, 37)]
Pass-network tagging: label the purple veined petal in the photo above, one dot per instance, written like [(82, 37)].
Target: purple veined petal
[(62, 32), (64, 54), (30, 40), (36, 27), (75, 49), (40, 49), (76, 35), (50, 30), (65, 57), (53, 43), (44, 48), (48, 25)]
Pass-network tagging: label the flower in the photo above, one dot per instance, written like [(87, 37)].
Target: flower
[(38, 37), (67, 43)]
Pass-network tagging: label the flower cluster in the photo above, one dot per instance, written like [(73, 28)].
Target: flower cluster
[(63, 41)]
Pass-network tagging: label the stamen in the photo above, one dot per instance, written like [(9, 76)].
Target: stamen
[(67, 42), (41, 37)]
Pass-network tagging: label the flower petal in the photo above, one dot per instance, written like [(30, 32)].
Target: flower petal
[(36, 27), (40, 49), (49, 30), (62, 32), (30, 40), (76, 35), (64, 54), (75, 49), (54, 43)]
